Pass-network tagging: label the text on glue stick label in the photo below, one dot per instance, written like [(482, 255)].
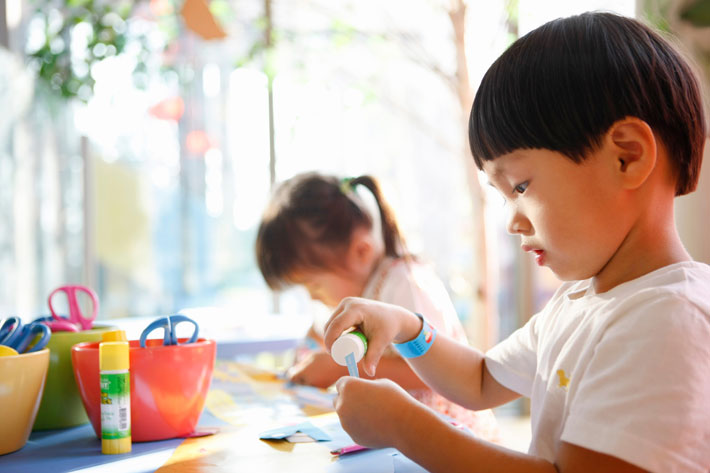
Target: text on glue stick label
[(115, 405)]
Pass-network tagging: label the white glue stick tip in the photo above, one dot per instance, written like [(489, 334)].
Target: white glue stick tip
[(353, 342)]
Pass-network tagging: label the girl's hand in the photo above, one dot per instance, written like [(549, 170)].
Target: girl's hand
[(381, 324), (375, 413), (316, 369)]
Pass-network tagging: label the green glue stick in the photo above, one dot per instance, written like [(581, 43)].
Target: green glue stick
[(348, 350), (115, 397)]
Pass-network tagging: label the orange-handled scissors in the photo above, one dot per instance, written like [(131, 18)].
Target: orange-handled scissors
[(75, 315)]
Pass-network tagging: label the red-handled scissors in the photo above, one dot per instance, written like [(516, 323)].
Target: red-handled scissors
[(76, 320)]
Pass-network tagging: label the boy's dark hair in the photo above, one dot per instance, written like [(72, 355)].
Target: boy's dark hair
[(309, 223), (563, 85)]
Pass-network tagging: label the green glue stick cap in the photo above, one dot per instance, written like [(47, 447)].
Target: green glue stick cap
[(352, 342)]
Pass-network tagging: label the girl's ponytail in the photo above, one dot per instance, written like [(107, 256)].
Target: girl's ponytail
[(391, 236)]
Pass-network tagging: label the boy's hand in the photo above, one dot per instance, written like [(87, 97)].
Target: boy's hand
[(316, 369), (381, 324), (373, 412)]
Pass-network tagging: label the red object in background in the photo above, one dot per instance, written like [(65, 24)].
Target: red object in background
[(169, 386), (198, 142), (199, 19), (168, 109)]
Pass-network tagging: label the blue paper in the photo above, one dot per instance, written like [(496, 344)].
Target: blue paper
[(305, 428), (352, 365)]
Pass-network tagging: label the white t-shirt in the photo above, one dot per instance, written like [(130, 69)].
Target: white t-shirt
[(625, 372)]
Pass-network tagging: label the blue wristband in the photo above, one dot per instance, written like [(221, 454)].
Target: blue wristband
[(420, 344)]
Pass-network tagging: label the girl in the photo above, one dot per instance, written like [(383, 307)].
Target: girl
[(317, 232)]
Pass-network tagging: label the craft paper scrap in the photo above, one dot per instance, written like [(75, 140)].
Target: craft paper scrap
[(352, 365), (285, 432)]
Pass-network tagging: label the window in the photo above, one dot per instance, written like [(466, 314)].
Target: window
[(151, 191)]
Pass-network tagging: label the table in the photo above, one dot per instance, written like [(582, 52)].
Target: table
[(242, 402)]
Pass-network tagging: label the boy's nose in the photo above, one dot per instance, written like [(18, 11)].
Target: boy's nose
[(518, 223)]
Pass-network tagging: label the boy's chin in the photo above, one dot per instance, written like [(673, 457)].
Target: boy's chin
[(570, 274)]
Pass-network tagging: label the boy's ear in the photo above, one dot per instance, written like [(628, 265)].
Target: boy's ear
[(634, 151)]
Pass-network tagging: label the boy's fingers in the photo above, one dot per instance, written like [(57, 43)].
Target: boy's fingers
[(340, 383), (338, 387), (375, 350), (294, 375), (340, 321), (343, 381)]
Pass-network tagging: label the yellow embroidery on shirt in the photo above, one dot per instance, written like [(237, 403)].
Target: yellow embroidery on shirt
[(564, 380)]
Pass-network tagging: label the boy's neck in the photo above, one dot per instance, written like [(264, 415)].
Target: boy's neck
[(652, 243)]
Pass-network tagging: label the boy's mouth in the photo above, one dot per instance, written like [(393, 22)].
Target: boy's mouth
[(539, 254)]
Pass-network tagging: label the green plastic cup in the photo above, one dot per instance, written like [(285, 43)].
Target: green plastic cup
[(61, 404)]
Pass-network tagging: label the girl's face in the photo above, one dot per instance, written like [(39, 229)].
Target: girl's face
[(349, 276), (567, 214), (329, 286)]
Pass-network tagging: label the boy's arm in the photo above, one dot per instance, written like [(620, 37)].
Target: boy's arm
[(380, 414), (398, 370), (465, 379), (439, 447)]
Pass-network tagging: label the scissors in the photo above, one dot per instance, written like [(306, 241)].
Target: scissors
[(9, 327), (76, 320), (169, 324), (19, 337), (61, 325)]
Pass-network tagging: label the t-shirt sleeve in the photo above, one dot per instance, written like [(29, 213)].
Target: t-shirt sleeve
[(513, 362), (644, 397)]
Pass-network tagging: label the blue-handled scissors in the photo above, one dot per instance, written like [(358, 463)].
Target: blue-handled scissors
[(169, 324), (15, 335), (8, 328)]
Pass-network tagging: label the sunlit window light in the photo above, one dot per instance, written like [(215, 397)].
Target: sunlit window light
[(211, 83), (248, 142), (214, 198)]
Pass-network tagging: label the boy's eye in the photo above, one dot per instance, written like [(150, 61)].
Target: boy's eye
[(520, 188)]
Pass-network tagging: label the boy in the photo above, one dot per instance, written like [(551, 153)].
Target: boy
[(588, 126)]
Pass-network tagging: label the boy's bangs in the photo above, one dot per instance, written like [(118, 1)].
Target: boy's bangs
[(540, 96), (562, 86)]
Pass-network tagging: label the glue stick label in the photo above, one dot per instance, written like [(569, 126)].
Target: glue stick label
[(115, 404)]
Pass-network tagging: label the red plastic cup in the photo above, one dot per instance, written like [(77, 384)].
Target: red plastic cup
[(169, 386)]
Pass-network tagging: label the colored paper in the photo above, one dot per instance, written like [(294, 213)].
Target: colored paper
[(352, 365), (288, 431), (251, 401)]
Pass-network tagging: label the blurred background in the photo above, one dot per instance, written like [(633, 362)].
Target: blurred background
[(139, 142)]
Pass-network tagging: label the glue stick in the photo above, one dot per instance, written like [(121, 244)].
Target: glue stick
[(114, 336), (348, 350), (115, 397)]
